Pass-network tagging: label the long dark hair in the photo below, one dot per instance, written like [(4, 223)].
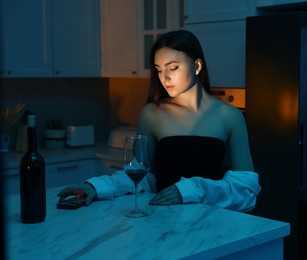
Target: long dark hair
[(183, 41)]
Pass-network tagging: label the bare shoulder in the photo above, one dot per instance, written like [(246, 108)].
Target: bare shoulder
[(148, 112), (147, 118), (228, 112)]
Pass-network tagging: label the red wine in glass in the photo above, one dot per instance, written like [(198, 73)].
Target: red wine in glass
[(136, 165)]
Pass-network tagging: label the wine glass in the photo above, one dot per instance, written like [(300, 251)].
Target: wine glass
[(136, 165)]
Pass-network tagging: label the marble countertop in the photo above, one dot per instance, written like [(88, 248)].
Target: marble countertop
[(100, 231)]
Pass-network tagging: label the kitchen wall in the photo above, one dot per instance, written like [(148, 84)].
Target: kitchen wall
[(127, 96), (105, 103), (76, 101)]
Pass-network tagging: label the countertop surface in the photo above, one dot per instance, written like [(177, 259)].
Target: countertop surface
[(100, 231)]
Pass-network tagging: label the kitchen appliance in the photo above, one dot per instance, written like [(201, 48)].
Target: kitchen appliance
[(77, 136), (117, 136), (232, 96), (276, 116)]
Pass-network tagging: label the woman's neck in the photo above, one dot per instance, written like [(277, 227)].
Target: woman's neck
[(193, 99)]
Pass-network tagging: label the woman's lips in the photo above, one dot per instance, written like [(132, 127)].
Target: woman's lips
[(169, 87)]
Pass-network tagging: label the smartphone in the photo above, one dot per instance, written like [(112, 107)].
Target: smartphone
[(71, 203)]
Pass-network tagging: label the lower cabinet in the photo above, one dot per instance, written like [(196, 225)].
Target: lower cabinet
[(57, 174), (60, 174), (108, 167)]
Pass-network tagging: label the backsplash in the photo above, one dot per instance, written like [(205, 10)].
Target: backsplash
[(127, 96), (77, 101), (102, 102)]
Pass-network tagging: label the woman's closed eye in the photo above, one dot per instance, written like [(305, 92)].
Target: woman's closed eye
[(170, 69)]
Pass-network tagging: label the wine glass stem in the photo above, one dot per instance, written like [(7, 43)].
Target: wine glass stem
[(136, 196)]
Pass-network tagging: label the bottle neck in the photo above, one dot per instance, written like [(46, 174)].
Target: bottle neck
[(32, 140)]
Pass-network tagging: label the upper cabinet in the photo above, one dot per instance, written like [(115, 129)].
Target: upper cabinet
[(51, 38), (76, 38), (129, 28), (200, 11), (27, 42), (270, 3), (119, 24), (224, 48), (220, 27)]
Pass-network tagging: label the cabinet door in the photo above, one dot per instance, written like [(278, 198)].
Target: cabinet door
[(11, 181), (158, 17), (268, 3), (224, 48), (68, 173), (107, 167), (57, 174), (199, 11), (76, 38), (26, 30), (129, 28), (120, 38)]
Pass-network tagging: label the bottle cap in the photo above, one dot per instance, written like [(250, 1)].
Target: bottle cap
[(32, 120)]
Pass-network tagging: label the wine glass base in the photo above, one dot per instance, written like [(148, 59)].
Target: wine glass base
[(136, 214)]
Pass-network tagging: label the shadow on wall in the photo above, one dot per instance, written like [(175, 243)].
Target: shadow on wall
[(127, 96)]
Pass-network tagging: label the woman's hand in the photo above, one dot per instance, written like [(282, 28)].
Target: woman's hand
[(168, 196), (83, 190)]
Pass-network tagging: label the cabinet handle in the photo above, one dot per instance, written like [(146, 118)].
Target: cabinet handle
[(133, 72), (57, 72), (9, 72), (68, 168)]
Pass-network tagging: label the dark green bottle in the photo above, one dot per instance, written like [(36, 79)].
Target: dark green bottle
[(32, 179)]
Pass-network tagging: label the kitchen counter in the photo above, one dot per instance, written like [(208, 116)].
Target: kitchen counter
[(65, 166), (100, 151), (100, 231)]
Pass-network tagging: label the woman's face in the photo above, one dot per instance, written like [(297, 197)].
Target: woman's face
[(176, 71)]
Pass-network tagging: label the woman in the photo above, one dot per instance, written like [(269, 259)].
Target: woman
[(199, 145)]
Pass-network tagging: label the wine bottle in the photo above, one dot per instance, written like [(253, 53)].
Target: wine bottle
[(32, 179)]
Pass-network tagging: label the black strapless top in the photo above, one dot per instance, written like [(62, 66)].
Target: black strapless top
[(188, 156)]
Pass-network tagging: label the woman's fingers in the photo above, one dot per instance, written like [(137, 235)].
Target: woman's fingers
[(168, 196)]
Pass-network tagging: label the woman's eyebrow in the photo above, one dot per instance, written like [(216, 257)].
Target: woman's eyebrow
[(168, 63)]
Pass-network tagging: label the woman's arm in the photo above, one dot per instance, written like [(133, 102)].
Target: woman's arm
[(237, 190), (237, 142)]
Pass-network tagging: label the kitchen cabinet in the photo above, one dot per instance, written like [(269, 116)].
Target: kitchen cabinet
[(27, 43), (109, 160), (129, 28), (200, 11), (224, 47), (270, 3), (76, 38), (119, 24), (57, 174), (220, 27), (51, 38), (108, 167)]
